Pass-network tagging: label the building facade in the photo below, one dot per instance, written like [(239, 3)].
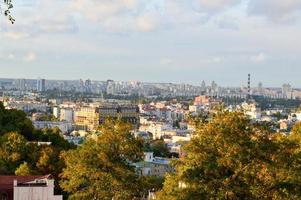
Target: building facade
[(128, 113), (86, 118), (41, 85), (27, 188)]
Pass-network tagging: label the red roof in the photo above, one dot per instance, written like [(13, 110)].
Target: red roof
[(7, 182)]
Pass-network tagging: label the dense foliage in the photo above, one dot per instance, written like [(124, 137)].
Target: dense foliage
[(15, 121), (230, 158), (101, 168), (158, 147), (20, 152)]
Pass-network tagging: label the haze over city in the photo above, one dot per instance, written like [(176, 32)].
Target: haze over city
[(154, 40)]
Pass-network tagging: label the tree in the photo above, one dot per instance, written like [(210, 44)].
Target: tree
[(7, 10), (54, 136), (296, 132), (12, 152), (15, 121), (49, 161), (23, 170), (230, 158), (150, 183), (102, 169), (159, 148)]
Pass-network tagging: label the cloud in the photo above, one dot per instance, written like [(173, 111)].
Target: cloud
[(216, 60), (279, 11), (14, 35), (261, 57), (227, 22), (11, 56), (7, 56), (146, 24), (59, 26), (122, 16), (166, 61), (215, 5), (30, 57)]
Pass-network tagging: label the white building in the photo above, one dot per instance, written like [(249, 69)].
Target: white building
[(65, 127), (39, 189), (27, 188), (67, 114), (26, 106), (56, 112), (156, 128), (251, 110), (41, 86)]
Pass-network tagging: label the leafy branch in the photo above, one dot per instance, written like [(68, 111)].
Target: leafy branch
[(8, 6)]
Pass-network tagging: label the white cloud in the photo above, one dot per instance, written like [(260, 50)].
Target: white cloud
[(7, 56), (30, 57), (166, 61), (261, 57), (16, 35), (216, 5), (11, 56), (280, 11), (227, 22), (145, 24), (216, 60)]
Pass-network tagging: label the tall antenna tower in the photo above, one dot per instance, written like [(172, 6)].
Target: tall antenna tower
[(249, 87)]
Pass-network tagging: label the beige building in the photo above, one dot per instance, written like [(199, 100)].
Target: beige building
[(128, 113), (86, 118)]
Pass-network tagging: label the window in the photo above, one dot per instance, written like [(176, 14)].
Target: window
[(3, 196)]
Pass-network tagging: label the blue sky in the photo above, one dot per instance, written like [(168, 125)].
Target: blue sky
[(154, 40)]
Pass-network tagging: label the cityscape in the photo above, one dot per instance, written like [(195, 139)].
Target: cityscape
[(164, 115), (145, 89), (150, 100)]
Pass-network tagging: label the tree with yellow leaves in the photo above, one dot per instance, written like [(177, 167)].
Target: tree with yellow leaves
[(231, 158), (101, 168)]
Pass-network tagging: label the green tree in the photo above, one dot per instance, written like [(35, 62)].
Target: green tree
[(54, 136), (13, 149), (159, 148), (150, 183), (230, 158), (15, 121), (101, 169)]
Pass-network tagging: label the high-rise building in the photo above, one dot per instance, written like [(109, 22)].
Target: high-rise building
[(41, 87), (287, 91), (203, 86), (260, 88), (21, 84), (88, 85), (110, 87)]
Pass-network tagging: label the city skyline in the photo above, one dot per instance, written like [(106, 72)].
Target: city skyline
[(253, 84), (154, 41)]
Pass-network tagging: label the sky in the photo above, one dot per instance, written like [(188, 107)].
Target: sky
[(180, 41)]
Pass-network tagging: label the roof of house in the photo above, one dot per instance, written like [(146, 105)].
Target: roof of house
[(7, 182)]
